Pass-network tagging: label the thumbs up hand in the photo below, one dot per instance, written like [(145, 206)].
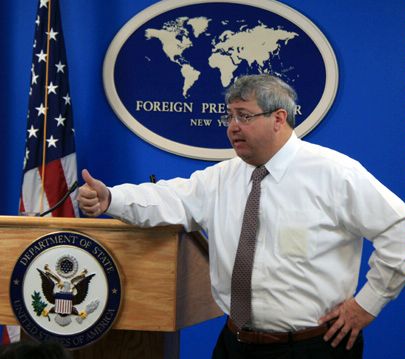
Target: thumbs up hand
[(94, 197)]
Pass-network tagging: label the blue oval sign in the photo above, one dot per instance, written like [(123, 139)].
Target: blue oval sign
[(166, 70)]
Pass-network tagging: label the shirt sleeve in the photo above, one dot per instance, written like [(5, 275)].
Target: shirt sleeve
[(370, 210), (178, 201), (386, 276)]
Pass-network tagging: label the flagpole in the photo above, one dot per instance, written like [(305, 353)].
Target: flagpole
[(41, 206), (49, 167)]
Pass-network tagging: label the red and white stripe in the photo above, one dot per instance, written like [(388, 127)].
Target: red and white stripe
[(11, 334), (63, 306), (58, 174)]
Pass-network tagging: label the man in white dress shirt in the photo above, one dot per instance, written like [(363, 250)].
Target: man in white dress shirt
[(316, 206)]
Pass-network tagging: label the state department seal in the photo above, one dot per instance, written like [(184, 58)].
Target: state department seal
[(65, 287)]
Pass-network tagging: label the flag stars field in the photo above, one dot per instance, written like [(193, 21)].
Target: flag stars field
[(26, 157), (61, 120), (32, 132), (44, 3), (41, 109), (34, 78), (52, 141), (52, 34), (67, 99), (60, 67), (41, 56), (52, 88)]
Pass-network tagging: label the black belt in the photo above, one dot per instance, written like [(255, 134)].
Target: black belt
[(255, 337)]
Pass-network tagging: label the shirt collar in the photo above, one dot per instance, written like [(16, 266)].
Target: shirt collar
[(279, 163)]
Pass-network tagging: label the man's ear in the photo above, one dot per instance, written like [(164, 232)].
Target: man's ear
[(280, 119)]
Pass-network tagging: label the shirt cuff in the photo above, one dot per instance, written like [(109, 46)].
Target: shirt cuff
[(117, 200), (370, 301)]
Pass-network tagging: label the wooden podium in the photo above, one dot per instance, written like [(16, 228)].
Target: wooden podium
[(164, 274)]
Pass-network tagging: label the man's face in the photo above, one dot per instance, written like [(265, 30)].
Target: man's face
[(253, 141)]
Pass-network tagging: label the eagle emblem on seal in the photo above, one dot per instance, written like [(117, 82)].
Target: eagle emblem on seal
[(64, 289)]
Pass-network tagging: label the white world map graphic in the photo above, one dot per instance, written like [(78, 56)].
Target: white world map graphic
[(255, 45)]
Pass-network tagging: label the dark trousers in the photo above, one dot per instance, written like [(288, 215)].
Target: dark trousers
[(228, 347)]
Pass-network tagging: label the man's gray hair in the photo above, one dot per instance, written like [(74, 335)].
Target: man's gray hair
[(270, 93)]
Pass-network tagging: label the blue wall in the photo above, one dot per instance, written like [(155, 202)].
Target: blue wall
[(365, 122)]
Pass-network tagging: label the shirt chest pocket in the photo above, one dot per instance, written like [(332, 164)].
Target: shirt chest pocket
[(297, 234)]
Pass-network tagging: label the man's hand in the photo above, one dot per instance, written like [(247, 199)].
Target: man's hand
[(94, 197), (348, 317)]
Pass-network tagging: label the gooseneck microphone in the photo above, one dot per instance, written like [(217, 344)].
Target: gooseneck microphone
[(61, 201)]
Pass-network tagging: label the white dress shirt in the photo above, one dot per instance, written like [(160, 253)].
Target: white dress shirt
[(316, 206)]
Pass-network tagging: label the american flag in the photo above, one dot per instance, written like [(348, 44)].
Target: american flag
[(9, 334), (50, 157)]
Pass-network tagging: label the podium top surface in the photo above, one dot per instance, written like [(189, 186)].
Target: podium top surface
[(58, 222)]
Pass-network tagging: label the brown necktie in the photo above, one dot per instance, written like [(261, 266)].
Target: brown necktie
[(241, 295)]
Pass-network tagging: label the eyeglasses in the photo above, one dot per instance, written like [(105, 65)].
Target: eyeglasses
[(241, 118)]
